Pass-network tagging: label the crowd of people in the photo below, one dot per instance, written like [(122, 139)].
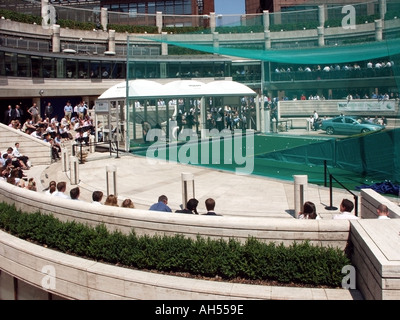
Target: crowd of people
[(13, 165), (76, 124)]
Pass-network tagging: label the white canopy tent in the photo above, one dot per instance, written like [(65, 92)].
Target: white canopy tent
[(139, 89), (149, 90)]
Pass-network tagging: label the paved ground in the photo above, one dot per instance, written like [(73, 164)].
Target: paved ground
[(143, 182)]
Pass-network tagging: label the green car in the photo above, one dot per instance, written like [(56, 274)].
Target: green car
[(349, 125)]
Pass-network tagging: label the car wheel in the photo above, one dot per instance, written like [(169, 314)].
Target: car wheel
[(364, 130), (330, 130)]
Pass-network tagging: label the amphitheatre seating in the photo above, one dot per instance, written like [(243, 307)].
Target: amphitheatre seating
[(39, 151), (377, 275)]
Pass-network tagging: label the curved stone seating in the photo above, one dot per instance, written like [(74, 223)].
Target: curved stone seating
[(320, 232), (78, 278)]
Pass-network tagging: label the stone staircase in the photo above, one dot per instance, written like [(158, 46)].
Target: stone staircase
[(38, 151)]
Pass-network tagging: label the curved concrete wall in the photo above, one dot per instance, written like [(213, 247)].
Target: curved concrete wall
[(319, 232), (77, 278)]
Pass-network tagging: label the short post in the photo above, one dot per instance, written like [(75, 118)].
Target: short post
[(74, 173), (64, 159), (111, 169), (91, 144), (187, 187), (330, 207), (300, 193)]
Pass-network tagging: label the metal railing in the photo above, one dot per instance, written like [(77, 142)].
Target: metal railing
[(331, 178), (113, 147)]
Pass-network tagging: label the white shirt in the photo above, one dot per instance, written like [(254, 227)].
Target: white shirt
[(383, 217), (60, 194), (345, 215)]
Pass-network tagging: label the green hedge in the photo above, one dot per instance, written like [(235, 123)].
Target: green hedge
[(20, 17), (300, 263)]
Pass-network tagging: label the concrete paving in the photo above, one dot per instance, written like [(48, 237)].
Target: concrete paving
[(143, 181)]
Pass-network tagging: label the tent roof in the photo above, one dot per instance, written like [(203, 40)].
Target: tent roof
[(141, 89)]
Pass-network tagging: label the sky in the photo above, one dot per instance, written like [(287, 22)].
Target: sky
[(229, 6)]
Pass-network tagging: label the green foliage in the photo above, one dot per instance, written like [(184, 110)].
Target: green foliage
[(20, 17), (78, 25), (133, 29), (299, 263)]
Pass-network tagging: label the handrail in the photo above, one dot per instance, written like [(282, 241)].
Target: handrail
[(109, 142), (331, 177)]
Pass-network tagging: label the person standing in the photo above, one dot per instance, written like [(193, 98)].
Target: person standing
[(34, 112), (68, 111), (48, 111)]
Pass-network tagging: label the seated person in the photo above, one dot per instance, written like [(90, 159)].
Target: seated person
[(161, 205), (191, 207), (210, 205)]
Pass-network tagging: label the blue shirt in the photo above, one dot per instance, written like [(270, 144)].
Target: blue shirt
[(160, 206)]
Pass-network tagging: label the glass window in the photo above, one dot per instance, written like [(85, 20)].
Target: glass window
[(95, 69), (141, 8), (173, 70), (24, 66), (48, 67), (169, 7), (119, 71), (152, 70), (71, 65), (187, 7), (83, 69), (151, 7), (60, 64), (160, 6), (2, 64), (11, 65), (106, 69), (139, 71), (37, 69)]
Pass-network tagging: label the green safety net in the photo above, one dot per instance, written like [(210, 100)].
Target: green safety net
[(317, 55), (354, 161)]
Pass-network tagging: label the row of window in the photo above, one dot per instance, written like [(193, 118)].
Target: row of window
[(151, 7), (25, 65)]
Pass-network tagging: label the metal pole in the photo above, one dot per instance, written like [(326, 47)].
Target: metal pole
[(325, 174), (331, 207)]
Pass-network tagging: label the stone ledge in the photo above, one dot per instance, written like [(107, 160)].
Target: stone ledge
[(77, 278)]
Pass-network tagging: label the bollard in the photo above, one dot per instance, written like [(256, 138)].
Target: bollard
[(300, 193), (113, 170), (74, 173), (91, 144), (274, 126), (187, 187), (64, 159)]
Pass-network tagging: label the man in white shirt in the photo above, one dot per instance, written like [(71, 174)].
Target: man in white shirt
[(61, 188), (346, 208), (383, 212)]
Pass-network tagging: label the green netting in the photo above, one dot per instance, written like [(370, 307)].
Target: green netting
[(318, 55), (353, 161), (368, 157)]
